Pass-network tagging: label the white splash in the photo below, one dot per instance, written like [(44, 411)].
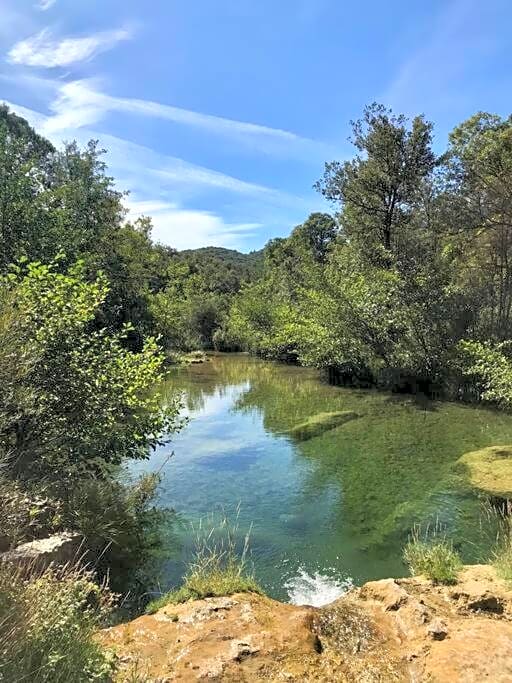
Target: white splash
[(315, 589)]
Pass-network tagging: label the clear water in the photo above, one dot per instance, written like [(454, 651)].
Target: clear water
[(329, 511)]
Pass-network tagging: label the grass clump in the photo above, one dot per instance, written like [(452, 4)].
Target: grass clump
[(219, 566), (47, 625), (432, 556)]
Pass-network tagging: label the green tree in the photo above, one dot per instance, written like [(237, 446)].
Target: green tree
[(377, 189), (82, 401)]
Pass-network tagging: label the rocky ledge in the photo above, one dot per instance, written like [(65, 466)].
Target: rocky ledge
[(390, 630)]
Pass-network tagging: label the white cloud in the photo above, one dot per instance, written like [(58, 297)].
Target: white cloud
[(189, 228), (43, 5), (42, 50), (81, 103)]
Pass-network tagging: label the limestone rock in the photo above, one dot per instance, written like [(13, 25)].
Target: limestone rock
[(386, 591), (393, 631), (37, 555), (437, 629)]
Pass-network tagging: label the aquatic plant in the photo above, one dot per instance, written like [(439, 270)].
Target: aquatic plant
[(432, 556), (489, 469), (219, 566), (320, 423)]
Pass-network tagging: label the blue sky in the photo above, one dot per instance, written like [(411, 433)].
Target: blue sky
[(219, 114)]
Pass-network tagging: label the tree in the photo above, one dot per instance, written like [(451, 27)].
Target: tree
[(378, 188), (479, 178)]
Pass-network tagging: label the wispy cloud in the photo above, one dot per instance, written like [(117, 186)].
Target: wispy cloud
[(82, 103), (43, 50), (169, 189), (43, 5)]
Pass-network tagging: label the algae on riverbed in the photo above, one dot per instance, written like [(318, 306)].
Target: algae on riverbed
[(320, 423), (489, 470)]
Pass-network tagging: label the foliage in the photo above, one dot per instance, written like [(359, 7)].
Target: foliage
[(26, 514), (432, 556), (378, 189), (47, 627), (489, 366), (497, 514), (81, 398), (121, 525)]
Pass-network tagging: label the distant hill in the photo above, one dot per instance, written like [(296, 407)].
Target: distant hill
[(224, 269)]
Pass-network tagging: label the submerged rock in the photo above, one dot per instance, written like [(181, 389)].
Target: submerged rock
[(390, 630), (320, 423), (490, 470)]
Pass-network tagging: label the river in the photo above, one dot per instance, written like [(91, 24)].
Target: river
[(327, 511)]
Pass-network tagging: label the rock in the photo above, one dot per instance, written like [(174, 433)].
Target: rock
[(241, 649), (207, 609), (437, 630), (396, 631), (37, 555), (480, 590), (386, 591)]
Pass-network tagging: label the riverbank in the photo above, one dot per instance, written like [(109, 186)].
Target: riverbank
[(387, 630)]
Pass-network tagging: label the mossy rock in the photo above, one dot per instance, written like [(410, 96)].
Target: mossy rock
[(489, 470), (320, 423)]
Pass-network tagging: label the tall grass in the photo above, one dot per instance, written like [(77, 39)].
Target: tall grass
[(501, 556), (47, 624), (432, 555), (220, 564)]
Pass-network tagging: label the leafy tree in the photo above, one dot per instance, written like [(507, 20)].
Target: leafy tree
[(377, 189), (82, 400)]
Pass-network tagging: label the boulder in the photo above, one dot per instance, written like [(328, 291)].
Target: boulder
[(36, 556), (392, 630)]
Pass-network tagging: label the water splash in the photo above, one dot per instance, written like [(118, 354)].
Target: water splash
[(316, 589)]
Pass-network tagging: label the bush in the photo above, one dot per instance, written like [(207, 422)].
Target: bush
[(121, 526), (47, 627), (217, 568), (489, 367), (433, 557)]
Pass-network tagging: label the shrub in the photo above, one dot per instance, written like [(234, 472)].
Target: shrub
[(217, 568), (489, 367), (433, 557), (121, 526), (47, 625)]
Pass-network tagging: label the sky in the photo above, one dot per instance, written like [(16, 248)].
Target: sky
[(218, 115)]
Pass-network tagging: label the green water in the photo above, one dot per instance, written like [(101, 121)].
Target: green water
[(337, 507)]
